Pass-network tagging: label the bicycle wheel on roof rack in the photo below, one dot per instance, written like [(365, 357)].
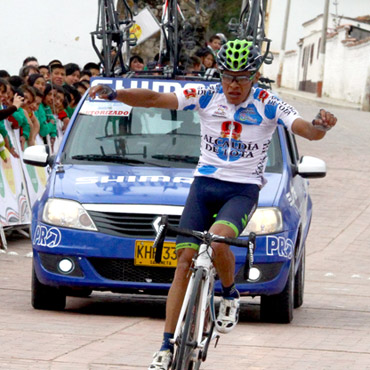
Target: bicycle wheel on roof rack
[(252, 22), (185, 355), (173, 35)]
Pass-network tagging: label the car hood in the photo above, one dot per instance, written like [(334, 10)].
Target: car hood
[(110, 184)]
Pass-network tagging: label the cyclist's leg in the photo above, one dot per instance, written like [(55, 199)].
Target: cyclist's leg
[(231, 220), (195, 216), (163, 358), (224, 258), (178, 288)]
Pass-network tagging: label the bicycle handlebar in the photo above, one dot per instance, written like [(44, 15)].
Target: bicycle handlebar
[(206, 237)]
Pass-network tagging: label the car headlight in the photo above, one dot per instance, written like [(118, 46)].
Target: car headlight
[(264, 221), (67, 213)]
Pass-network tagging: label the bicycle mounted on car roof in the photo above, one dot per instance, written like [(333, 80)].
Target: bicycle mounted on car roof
[(176, 33)]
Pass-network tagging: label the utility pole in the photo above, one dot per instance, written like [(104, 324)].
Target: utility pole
[(322, 50), (283, 44)]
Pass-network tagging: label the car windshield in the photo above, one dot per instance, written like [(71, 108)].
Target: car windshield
[(145, 137)]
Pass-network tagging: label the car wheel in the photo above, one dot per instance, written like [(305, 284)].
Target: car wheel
[(299, 281), (45, 297), (278, 308)]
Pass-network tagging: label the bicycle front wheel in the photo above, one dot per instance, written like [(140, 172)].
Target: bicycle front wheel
[(184, 359)]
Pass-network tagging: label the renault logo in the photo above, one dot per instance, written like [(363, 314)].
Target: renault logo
[(156, 222)]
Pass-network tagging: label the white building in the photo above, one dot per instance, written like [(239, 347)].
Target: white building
[(347, 60)]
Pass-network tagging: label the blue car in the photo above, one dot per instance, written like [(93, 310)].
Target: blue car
[(118, 169)]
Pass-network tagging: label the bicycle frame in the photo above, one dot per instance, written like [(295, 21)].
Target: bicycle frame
[(108, 29), (204, 261), (198, 298)]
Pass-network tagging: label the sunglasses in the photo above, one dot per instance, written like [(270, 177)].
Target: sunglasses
[(241, 80)]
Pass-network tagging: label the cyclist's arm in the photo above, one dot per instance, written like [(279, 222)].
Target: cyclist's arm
[(142, 98), (316, 129)]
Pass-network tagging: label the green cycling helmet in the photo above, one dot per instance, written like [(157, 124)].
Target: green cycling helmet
[(239, 56)]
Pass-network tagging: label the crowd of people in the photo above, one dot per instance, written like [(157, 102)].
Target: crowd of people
[(41, 99)]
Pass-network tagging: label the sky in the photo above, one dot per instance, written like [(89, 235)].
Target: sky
[(304, 10)]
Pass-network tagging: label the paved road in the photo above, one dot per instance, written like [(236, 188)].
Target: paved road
[(330, 331)]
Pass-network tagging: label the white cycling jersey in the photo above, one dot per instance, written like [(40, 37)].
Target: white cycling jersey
[(235, 138)]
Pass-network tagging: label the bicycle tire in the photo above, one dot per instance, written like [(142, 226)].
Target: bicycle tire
[(183, 360), (173, 41)]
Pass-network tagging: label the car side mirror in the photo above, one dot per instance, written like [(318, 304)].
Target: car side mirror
[(311, 167), (38, 155)]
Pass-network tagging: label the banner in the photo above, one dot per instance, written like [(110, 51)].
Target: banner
[(15, 208), (35, 177), (146, 25)]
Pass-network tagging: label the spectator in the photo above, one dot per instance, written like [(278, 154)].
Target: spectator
[(86, 83), (59, 105), (19, 120), (73, 96), (37, 81), (207, 58), (57, 74), (30, 61), (136, 63), (73, 73), (47, 104), (54, 61), (192, 65), (86, 75), (12, 107), (93, 68), (15, 103), (16, 81), (26, 71), (39, 111), (28, 108), (44, 70), (81, 87), (214, 44), (4, 74)]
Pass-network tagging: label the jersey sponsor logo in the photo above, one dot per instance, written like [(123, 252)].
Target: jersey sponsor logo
[(227, 146), (210, 90), (287, 108), (220, 111), (230, 128), (263, 95), (190, 93), (262, 162), (47, 236), (280, 246), (248, 115)]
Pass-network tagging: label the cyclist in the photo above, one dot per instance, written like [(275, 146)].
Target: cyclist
[(237, 123)]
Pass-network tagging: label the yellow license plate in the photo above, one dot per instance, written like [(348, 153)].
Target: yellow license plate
[(145, 253)]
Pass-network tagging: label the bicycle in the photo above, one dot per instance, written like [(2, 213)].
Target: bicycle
[(251, 27), (195, 327), (111, 30)]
